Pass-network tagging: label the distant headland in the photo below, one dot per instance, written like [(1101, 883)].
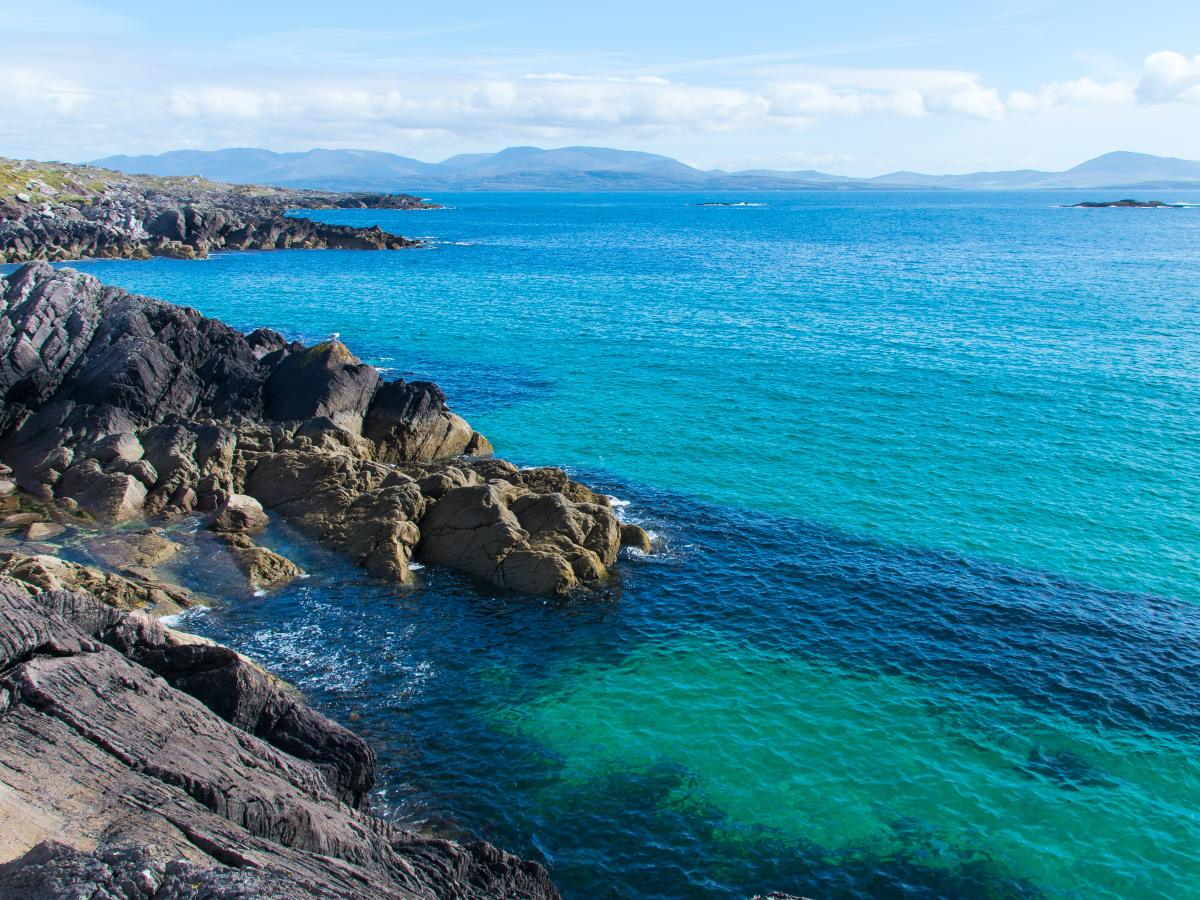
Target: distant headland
[(57, 211), (606, 169)]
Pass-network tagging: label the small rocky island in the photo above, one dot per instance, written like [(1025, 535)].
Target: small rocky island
[(140, 761), (1126, 204), (56, 211)]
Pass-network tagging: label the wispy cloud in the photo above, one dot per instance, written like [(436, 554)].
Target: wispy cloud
[(845, 48), (80, 95)]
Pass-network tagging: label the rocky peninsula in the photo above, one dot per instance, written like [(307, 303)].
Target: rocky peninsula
[(55, 211), (137, 758)]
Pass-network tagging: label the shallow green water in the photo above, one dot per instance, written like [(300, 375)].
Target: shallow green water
[(856, 763)]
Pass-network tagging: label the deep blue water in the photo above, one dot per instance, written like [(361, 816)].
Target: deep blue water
[(925, 470)]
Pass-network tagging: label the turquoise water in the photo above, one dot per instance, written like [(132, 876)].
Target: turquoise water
[(926, 472)]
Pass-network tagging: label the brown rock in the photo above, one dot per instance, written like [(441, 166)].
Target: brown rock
[(364, 509), (149, 548), (40, 531), (520, 541), (49, 573), (240, 514), (636, 537), (263, 568)]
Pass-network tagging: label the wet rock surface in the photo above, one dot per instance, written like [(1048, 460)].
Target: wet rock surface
[(136, 760), (126, 407)]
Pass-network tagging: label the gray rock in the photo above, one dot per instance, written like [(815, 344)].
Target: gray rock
[(107, 215), (157, 749), (123, 446), (111, 497), (411, 423), (325, 380), (129, 406)]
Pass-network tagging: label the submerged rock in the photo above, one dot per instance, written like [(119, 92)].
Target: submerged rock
[(150, 549), (263, 568), (41, 531)]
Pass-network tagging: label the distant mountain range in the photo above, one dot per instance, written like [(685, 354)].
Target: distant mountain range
[(602, 169)]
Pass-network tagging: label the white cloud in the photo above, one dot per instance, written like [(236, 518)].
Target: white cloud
[(1169, 76), (1066, 94), (901, 93), (970, 99), (69, 100), (814, 100)]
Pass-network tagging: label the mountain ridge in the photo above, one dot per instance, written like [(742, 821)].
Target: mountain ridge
[(607, 169)]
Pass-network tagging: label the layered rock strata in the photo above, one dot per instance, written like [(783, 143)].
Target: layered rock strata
[(128, 407), (98, 213), (139, 762)]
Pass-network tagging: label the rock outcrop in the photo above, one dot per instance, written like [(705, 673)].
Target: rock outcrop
[(129, 407), (135, 761), (130, 588), (98, 213)]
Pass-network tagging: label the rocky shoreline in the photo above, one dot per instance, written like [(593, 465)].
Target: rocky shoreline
[(131, 749), (139, 762), (62, 212)]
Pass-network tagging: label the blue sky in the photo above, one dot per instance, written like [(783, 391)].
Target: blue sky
[(853, 87)]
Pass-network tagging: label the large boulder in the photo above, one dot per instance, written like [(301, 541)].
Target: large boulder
[(325, 380), (240, 514), (409, 422), (521, 541), (112, 497), (362, 508)]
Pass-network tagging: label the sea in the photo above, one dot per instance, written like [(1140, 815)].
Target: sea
[(922, 469)]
